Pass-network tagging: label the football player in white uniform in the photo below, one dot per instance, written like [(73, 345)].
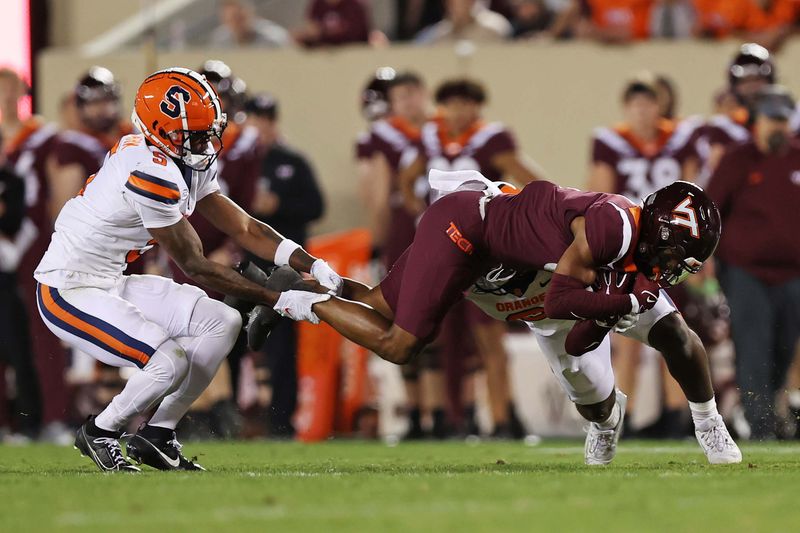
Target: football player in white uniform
[(174, 334)]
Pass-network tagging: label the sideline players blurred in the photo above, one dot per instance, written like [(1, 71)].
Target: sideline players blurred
[(458, 138), (26, 145), (78, 153), (400, 104)]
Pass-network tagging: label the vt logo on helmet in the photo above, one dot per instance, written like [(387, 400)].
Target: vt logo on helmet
[(679, 230), (178, 111)]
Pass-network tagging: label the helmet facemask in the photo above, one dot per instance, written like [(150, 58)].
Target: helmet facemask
[(197, 149), (667, 263)]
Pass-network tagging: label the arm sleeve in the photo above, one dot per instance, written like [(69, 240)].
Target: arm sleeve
[(601, 153), (568, 299), (305, 204)]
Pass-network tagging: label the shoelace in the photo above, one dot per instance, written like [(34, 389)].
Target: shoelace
[(175, 444), (113, 448), (603, 437), (716, 439)]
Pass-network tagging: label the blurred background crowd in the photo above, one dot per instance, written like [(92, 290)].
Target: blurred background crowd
[(478, 378)]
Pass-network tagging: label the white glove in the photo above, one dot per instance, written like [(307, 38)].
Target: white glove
[(626, 322), (327, 277), (297, 305)]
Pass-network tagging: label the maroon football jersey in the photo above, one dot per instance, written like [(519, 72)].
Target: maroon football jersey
[(397, 140), (641, 169), (28, 155), (77, 147), (473, 150), (531, 230), (723, 130), (363, 146)]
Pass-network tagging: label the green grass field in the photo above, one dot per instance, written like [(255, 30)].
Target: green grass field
[(356, 486)]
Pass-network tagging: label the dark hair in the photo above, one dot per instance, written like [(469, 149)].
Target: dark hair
[(461, 88), (637, 87), (664, 82), (406, 78)]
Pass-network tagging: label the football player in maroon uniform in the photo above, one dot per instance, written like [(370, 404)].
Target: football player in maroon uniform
[(78, 153), (460, 139), (645, 152), (27, 143), (544, 227), (374, 191), (750, 70)]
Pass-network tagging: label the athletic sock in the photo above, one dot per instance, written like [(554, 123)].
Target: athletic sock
[(612, 420), (439, 428), (156, 432), (415, 419), (702, 411), (94, 431)]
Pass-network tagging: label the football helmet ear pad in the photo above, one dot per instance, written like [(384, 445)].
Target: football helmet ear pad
[(178, 111)]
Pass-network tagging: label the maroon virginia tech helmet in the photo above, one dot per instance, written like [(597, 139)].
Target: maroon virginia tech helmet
[(375, 96), (751, 60), (679, 230)]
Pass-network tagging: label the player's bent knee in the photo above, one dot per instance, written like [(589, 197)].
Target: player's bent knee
[(399, 346), (673, 338), (231, 320), (169, 363)]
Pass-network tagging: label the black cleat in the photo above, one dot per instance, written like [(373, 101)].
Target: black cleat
[(103, 449), (159, 448)]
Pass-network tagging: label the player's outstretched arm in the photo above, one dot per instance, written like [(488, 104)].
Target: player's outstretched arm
[(183, 245), (263, 241)]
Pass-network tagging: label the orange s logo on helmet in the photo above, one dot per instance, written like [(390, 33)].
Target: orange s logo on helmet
[(170, 105)]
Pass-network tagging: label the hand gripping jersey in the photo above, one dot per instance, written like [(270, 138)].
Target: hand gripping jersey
[(105, 227), (640, 169)]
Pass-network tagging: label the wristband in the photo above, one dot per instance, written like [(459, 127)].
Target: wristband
[(284, 251)]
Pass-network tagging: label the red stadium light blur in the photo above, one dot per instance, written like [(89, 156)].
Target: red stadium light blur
[(15, 43)]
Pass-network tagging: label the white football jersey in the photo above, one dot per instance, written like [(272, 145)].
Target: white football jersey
[(525, 304), (101, 230)]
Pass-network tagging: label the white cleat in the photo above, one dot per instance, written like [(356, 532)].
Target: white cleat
[(601, 444), (716, 442)]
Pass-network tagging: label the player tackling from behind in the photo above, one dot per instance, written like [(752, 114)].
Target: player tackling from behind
[(174, 334), (625, 252)]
